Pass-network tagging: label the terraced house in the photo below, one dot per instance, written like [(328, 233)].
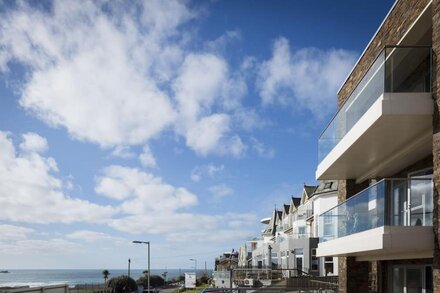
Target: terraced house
[(290, 237), (383, 146)]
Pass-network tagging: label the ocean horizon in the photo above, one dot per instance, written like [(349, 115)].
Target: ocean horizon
[(72, 277)]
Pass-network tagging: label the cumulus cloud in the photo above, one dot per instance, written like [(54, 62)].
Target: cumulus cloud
[(118, 76), (146, 157), (142, 192), (31, 191), (307, 78), (33, 142), (147, 204)]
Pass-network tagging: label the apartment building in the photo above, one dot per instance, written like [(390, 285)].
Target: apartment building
[(383, 145)]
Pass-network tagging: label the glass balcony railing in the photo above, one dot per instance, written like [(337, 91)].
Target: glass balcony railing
[(390, 202), (395, 70)]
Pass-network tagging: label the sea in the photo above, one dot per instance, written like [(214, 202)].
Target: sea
[(72, 277)]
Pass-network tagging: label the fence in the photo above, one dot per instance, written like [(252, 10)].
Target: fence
[(45, 289), (281, 280), (89, 288), (306, 288)]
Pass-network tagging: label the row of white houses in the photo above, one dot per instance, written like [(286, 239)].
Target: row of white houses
[(290, 237)]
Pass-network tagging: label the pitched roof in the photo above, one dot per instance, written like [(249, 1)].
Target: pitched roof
[(307, 192), (296, 201), (270, 228), (294, 204), (309, 189)]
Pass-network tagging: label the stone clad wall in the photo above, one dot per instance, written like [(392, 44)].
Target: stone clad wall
[(395, 26), (363, 276), (436, 138)]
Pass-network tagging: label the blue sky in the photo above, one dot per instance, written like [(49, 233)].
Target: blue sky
[(182, 123)]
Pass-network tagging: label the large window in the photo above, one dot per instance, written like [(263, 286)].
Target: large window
[(411, 279)]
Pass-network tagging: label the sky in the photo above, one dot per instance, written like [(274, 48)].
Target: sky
[(182, 123)]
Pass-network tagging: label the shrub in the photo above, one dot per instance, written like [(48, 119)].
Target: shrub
[(204, 279), (155, 281), (122, 284)]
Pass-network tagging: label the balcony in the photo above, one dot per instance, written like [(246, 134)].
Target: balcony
[(389, 220), (386, 123)]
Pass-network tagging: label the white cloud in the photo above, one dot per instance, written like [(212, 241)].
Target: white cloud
[(210, 170), (308, 78), (203, 82), (118, 76), (31, 247), (146, 157), (223, 41), (182, 227), (220, 191), (14, 233), (142, 192), (33, 142), (87, 75), (205, 135), (31, 192), (123, 152), (93, 236), (150, 205)]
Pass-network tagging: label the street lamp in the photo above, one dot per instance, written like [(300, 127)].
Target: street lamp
[(194, 260), (148, 275)]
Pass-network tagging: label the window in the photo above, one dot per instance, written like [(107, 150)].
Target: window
[(328, 265), (315, 260), (328, 185), (328, 226)]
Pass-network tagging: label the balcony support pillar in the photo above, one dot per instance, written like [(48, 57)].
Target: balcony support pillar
[(436, 140)]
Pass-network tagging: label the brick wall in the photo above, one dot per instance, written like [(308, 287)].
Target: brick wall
[(395, 26)]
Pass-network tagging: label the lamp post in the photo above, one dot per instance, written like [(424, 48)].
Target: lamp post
[(148, 275), (194, 260)]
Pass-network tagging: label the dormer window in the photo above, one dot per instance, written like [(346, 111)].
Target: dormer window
[(328, 185)]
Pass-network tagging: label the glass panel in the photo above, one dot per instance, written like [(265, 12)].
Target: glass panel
[(421, 203), (414, 280), (407, 69), (398, 279), (428, 279), (396, 69), (367, 209), (360, 100), (400, 197)]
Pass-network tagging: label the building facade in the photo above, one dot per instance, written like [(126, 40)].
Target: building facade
[(383, 146), (290, 239)]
